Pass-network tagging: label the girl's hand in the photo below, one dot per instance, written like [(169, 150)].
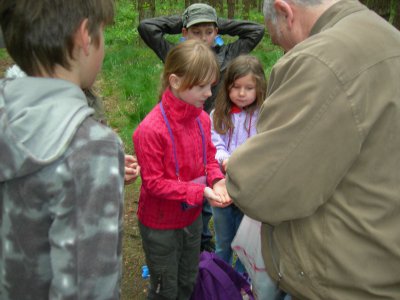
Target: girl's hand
[(213, 199), (221, 191), (224, 165), (132, 169), (210, 195)]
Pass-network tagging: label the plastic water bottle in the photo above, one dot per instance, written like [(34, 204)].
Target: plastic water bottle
[(145, 272), (218, 40)]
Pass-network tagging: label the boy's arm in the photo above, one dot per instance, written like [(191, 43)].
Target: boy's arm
[(249, 33), (86, 231), (152, 32)]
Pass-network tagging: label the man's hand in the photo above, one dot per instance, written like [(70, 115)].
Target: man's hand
[(218, 196)]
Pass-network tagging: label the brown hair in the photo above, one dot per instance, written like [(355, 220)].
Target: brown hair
[(194, 62), (239, 67), (40, 34)]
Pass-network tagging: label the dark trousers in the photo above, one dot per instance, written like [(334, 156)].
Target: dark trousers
[(206, 214), (173, 260)]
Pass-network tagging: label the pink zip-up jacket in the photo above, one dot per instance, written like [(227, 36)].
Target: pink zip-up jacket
[(161, 193)]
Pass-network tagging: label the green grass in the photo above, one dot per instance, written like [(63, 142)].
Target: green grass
[(3, 53), (130, 78)]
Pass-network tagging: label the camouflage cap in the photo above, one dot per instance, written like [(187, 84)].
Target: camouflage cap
[(199, 13)]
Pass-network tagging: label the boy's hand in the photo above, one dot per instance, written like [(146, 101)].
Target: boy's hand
[(132, 169)]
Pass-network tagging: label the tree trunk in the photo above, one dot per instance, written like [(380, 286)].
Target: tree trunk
[(260, 5), (246, 9), (146, 8), (231, 8), (396, 19), (219, 7)]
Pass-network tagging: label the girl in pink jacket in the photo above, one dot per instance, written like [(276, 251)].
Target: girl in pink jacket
[(178, 168)]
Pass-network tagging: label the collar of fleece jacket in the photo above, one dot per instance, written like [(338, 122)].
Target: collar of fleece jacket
[(177, 110)]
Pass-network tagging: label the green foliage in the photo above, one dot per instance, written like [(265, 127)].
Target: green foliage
[(3, 53), (124, 29), (393, 10), (130, 78)]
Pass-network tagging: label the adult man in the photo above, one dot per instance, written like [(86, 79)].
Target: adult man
[(323, 172), (200, 21)]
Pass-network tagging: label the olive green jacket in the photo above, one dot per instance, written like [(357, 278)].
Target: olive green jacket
[(323, 172)]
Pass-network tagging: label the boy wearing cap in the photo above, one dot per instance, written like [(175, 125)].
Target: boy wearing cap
[(200, 21)]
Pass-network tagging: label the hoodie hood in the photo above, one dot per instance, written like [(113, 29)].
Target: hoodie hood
[(38, 120)]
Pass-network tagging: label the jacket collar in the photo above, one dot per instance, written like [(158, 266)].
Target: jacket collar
[(177, 110), (335, 13)]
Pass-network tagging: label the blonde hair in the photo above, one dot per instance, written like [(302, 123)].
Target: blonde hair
[(239, 67), (194, 62)]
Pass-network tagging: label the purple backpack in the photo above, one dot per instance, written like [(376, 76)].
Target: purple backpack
[(219, 281)]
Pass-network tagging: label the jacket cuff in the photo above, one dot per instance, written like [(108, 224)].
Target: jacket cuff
[(213, 176), (195, 194)]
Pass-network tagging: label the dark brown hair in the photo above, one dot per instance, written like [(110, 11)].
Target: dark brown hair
[(239, 67), (39, 34), (194, 62)]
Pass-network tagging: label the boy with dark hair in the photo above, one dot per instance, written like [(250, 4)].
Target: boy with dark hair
[(61, 172), (200, 21)]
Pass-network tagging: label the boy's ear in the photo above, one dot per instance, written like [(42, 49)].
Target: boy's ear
[(82, 37), (174, 81), (184, 32)]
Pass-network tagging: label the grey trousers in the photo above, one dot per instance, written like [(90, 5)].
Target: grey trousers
[(172, 257)]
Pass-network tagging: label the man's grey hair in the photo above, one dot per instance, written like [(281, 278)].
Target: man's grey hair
[(270, 13)]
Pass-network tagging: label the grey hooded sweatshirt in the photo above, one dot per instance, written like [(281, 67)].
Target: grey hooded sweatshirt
[(61, 194)]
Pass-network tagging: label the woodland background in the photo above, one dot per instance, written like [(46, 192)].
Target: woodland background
[(129, 83), (147, 8)]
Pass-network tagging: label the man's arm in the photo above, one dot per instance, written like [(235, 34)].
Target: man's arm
[(307, 139), (152, 32)]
